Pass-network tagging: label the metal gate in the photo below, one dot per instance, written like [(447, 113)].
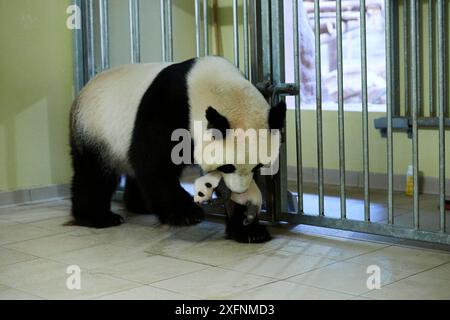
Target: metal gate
[(264, 64)]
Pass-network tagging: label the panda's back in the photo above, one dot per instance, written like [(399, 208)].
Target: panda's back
[(105, 111)]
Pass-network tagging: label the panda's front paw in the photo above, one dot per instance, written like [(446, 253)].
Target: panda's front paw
[(189, 215)]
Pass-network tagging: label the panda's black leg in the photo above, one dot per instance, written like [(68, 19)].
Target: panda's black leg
[(237, 230), (168, 199), (133, 198), (92, 190)]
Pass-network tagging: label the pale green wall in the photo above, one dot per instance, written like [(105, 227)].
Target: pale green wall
[(35, 93)]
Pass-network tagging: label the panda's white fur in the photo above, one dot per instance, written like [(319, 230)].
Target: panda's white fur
[(106, 108)]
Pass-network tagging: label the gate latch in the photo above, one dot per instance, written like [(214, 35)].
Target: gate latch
[(269, 90)]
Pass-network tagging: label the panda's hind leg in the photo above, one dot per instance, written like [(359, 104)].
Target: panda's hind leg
[(133, 198), (92, 188)]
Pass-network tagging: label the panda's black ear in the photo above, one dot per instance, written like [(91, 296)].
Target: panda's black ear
[(217, 121), (277, 116)]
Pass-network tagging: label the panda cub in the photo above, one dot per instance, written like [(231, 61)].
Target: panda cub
[(123, 123), (252, 199)]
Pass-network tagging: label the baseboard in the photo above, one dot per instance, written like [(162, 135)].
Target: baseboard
[(428, 185), (10, 198)]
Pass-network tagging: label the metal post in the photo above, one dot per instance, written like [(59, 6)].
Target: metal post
[(197, 28), (406, 48), (163, 31), (169, 30), (389, 107), (246, 39), (206, 26), (319, 106), (431, 57), (442, 101), (236, 32), (104, 34), (78, 61), (89, 44), (365, 112), (340, 80), (135, 54), (298, 122), (415, 107)]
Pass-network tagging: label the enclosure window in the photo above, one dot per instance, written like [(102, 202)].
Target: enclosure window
[(351, 53)]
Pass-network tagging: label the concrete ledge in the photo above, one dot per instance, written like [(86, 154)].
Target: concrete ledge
[(10, 198)]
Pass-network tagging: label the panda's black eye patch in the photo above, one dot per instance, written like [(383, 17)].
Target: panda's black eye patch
[(227, 168), (208, 185), (200, 194), (259, 166)]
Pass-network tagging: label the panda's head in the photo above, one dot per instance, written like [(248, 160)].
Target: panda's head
[(238, 170)]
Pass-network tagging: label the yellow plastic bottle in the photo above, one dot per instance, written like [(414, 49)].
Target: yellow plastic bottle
[(409, 181)]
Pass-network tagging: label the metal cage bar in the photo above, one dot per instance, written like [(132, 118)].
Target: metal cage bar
[(415, 108), (406, 62), (246, 39), (298, 119), (169, 21), (163, 30), (89, 45), (206, 26), (431, 58), (340, 80), (104, 34), (319, 106), (442, 101), (389, 108), (135, 46), (236, 32), (365, 109), (197, 29)]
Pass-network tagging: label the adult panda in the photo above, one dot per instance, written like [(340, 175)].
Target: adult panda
[(122, 123)]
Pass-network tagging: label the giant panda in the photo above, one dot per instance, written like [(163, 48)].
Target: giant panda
[(122, 123)]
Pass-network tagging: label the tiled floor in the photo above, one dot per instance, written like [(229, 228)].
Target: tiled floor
[(144, 260)]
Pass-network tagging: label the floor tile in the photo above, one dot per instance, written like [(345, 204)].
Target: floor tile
[(7, 293), (35, 214), (420, 286), (10, 256), (278, 265), (48, 280), (146, 293), (150, 269), (212, 283), (282, 290), (51, 245), (400, 258), (21, 232), (345, 277)]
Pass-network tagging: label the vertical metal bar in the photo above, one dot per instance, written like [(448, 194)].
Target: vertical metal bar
[(278, 76), (340, 80), (256, 29), (365, 109), (135, 50), (197, 28), (163, 31), (298, 122), (406, 57), (415, 106), (236, 32), (442, 101), (78, 59), (206, 26), (418, 21), (389, 107), (90, 54), (319, 106), (246, 39), (104, 34), (431, 57), (169, 34)]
